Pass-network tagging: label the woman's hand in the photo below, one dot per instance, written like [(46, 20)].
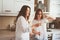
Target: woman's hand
[(31, 35), (35, 32), (38, 33)]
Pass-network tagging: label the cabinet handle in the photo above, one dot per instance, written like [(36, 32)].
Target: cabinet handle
[(7, 10)]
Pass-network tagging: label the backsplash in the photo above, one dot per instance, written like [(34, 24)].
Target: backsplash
[(6, 20)]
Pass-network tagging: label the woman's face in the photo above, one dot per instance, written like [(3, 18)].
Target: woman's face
[(28, 12), (39, 15)]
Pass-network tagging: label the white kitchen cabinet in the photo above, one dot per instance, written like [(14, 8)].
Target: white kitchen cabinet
[(0, 6), (20, 3), (55, 8), (56, 36), (12, 7), (8, 6)]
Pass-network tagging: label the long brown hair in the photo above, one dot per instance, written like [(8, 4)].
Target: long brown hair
[(37, 13), (22, 12)]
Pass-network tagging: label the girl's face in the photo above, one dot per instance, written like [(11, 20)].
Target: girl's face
[(39, 15), (28, 12)]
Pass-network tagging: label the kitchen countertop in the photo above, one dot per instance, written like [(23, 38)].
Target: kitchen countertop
[(51, 31), (54, 30), (6, 33)]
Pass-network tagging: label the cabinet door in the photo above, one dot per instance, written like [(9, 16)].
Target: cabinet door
[(56, 36), (8, 6), (55, 7), (20, 3), (0, 6)]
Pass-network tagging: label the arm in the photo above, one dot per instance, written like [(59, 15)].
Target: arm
[(19, 27), (23, 24), (49, 18), (35, 32)]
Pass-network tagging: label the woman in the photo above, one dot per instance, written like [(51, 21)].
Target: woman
[(22, 25), (39, 28)]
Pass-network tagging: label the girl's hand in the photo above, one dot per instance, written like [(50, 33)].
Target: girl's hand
[(38, 33), (31, 34)]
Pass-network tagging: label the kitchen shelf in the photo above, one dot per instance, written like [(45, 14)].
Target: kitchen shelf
[(8, 14)]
